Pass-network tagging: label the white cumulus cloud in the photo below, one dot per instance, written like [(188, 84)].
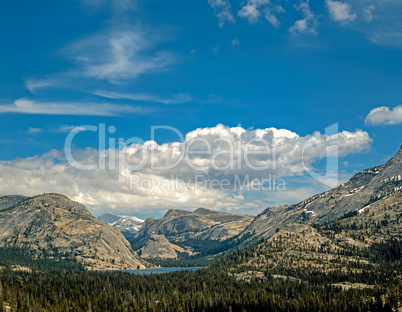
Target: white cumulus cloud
[(340, 12), (384, 116)]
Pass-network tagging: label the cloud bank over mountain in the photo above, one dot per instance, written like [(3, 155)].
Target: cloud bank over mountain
[(217, 167)]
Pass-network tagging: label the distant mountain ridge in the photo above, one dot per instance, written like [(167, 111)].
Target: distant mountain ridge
[(180, 226), (54, 223), (108, 218), (202, 223), (127, 225)]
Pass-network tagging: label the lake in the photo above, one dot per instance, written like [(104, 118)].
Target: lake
[(159, 270)]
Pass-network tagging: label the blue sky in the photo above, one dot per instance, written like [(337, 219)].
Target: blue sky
[(300, 66)]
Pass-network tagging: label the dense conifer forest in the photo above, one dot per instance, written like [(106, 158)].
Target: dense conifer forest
[(204, 290), (62, 285)]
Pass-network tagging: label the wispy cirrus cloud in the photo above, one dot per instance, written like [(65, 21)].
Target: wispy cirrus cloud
[(119, 55), (115, 55), (33, 130), (235, 42), (390, 36), (253, 9), (180, 98), (222, 10), (379, 20), (368, 13), (309, 22), (58, 129), (117, 6), (37, 84), (68, 128), (26, 106)]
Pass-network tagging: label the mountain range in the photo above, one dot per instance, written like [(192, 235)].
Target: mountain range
[(195, 232), (362, 212), (177, 230)]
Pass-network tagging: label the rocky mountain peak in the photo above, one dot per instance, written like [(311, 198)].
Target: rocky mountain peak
[(185, 227), (390, 178), (397, 158), (54, 223), (149, 219), (108, 218), (56, 204), (205, 211), (176, 213)]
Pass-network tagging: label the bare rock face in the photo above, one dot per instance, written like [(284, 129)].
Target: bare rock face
[(370, 186), (53, 222), (10, 200), (157, 238), (200, 224), (158, 247)]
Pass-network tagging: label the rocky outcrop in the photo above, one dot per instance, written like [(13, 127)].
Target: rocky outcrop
[(54, 223), (158, 247), (200, 224), (10, 200), (181, 227)]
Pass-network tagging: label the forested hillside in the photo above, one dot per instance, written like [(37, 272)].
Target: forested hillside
[(329, 267), (355, 287)]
